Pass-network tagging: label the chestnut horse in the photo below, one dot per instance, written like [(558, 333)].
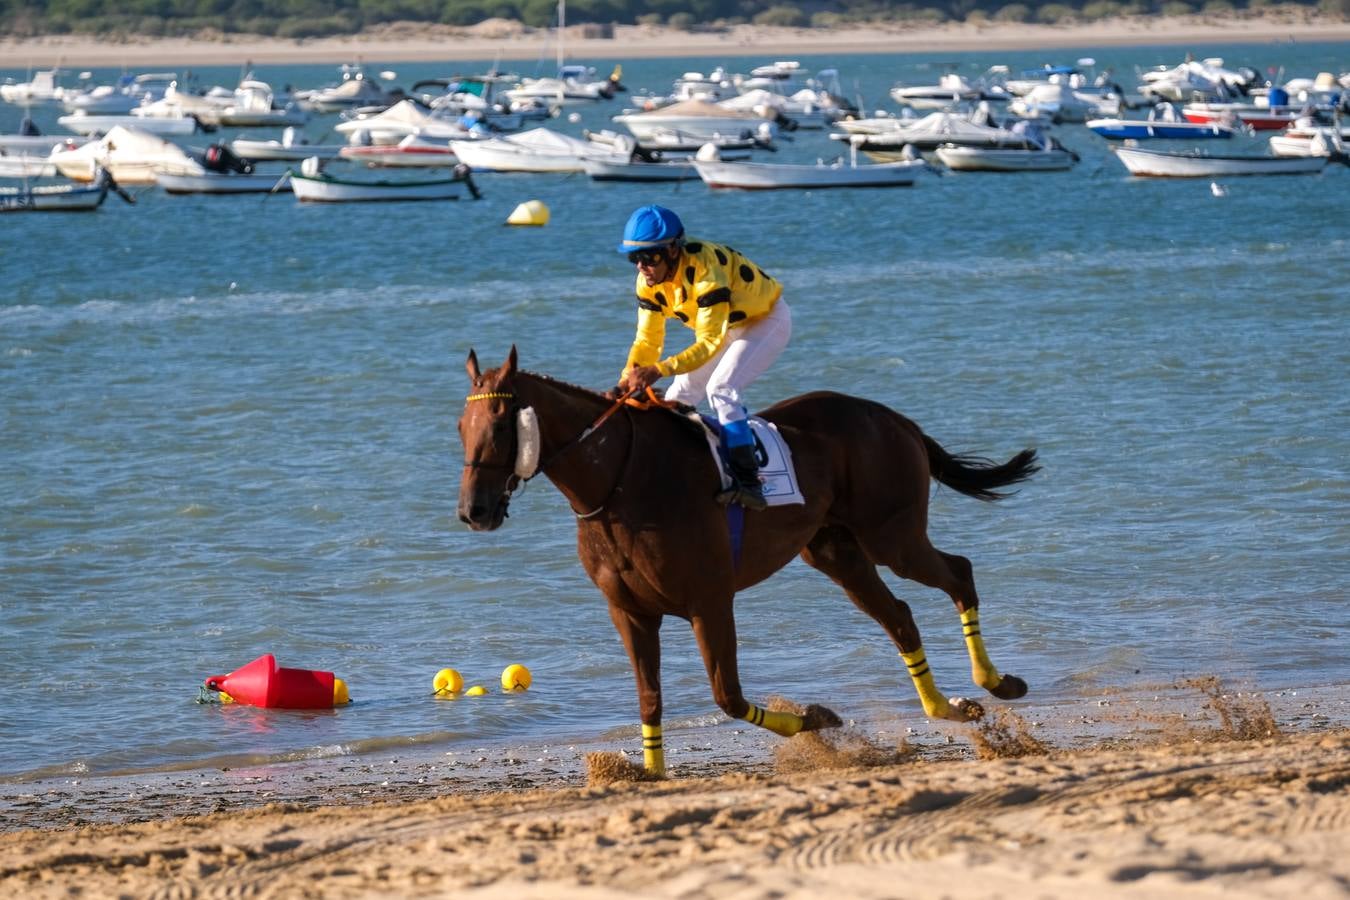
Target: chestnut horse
[(656, 543)]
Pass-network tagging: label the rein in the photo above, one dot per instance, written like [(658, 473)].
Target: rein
[(629, 399)]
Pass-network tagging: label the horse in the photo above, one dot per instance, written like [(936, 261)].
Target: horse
[(657, 544)]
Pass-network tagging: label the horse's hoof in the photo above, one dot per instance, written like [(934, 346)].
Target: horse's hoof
[(959, 709), (1010, 688), (818, 717)]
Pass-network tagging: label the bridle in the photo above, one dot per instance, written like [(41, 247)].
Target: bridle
[(517, 478)]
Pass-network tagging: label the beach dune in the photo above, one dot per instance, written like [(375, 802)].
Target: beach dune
[(415, 42)]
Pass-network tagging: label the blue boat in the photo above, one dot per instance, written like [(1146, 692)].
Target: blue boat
[(1163, 122), (1143, 129)]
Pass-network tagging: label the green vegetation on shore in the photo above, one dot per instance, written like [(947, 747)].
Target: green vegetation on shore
[(318, 18)]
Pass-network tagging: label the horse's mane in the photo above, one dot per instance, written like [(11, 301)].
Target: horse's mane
[(576, 389)]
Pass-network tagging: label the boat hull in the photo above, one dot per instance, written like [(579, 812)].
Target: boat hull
[(325, 189), (1139, 130), (1160, 164), (604, 170), (1004, 159), (769, 176), (216, 183), (55, 198), (276, 150)]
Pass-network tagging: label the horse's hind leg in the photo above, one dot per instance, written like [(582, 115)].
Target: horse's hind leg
[(836, 552), (922, 562), (715, 630)]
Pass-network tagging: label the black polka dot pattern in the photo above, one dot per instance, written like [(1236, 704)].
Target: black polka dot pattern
[(736, 316), (695, 247), (682, 317), (689, 274), (747, 274), (721, 257), (661, 298)]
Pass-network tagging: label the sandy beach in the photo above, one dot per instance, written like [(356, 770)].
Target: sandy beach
[(408, 42), (1203, 793)]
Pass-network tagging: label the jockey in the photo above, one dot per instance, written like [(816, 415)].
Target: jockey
[(740, 326)]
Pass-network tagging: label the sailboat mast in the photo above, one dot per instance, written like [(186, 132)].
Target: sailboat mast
[(562, 24)]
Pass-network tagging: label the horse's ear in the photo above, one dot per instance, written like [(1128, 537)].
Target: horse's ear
[(510, 362), (471, 366)]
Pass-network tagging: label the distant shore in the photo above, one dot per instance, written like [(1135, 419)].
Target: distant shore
[(499, 39)]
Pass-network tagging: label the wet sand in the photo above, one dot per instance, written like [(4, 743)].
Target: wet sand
[(1188, 790), (496, 39)]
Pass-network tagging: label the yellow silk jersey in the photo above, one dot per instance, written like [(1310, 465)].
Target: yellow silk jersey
[(711, 288)]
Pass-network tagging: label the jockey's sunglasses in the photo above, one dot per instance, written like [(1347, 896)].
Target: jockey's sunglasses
[(646, 257)]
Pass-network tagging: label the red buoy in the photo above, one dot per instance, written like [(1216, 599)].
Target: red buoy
[(264, 683)]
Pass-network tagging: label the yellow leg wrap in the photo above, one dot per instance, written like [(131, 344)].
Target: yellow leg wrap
[(934, 703), (785, 723), (982, 671), (653, 750)]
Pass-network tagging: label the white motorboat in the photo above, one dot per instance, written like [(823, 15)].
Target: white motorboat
[(355, 90), (638, 169), (130, 155), (719, 173), (311, 184), (1197, 78), (929, 133), (951, 90), (293, 147), (60, 197), (536, 150), (1164, 164), (399, 121), (411, 152), (1305, 138), (31, 142), (703, 121), (130, 92), (1058, 102), (223, 183), (95, 124), (482, 95), (1006, 159), (572, 85), (255, 106), (805, 109), (42, 87), (22, 166)]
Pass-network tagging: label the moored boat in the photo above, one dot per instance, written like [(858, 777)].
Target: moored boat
[(1164, 164), (313, 185), (638, 169), (717, 173), (222, 183), (60, 197), (1006, 159)]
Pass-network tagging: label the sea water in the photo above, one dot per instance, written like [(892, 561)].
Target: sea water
[(229, 429)]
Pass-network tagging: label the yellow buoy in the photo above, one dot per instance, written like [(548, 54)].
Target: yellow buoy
[(516, 677), (476, 691), (531, 212), (340, 696), (447, 681)]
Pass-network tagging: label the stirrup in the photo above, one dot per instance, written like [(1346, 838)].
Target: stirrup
[(746, 497)]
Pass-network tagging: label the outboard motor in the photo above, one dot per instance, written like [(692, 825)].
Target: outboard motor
[(220, 158)]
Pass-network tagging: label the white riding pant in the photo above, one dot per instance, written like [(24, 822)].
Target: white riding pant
[(745, 354)]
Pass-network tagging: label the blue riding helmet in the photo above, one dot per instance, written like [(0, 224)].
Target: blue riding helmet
[(651, 226)]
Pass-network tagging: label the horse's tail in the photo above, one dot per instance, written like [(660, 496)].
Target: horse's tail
[(976, 476)]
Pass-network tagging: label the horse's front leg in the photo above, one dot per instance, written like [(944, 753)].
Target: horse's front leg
[(641, 636), (715, 630)]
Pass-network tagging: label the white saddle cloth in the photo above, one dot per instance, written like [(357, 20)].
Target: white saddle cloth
[(775, 462)]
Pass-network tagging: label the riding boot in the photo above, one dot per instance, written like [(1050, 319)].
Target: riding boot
[(747, 490)]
